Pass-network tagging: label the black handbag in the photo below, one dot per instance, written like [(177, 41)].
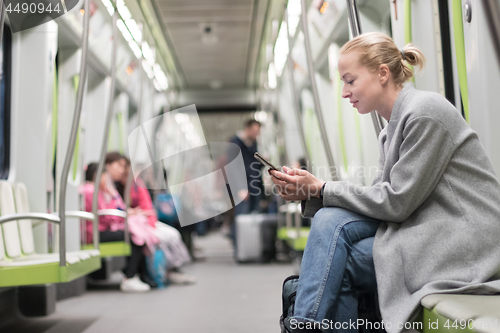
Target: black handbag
[(288, 297)]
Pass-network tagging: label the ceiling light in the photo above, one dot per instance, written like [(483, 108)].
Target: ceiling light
[(123, 10), (148, 53), (134, 30), (123, 29), (261, 116), (281, 50), (271, 76), (136, 49), (148, 69)]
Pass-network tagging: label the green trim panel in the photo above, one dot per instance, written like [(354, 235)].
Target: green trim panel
[(112, 249), (46, 273), (408, 32), (458, 33), (434, 323)]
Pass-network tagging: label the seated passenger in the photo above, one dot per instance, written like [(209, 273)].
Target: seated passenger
[(169, 239), (432, 209), (111, 228)]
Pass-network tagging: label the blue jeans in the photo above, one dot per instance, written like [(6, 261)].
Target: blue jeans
[(337, 264)]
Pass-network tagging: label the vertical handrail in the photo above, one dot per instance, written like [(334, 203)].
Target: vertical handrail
[(130, 176), (295, 96), (355, 25), (2, 20), (109, 116), (298, 218), (492, 10), (317, 104), (73, 134)]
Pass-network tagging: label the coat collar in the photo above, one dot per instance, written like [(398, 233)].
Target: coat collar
[(397, 108)]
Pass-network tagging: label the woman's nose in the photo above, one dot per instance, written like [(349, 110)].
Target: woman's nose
[(345, 92)]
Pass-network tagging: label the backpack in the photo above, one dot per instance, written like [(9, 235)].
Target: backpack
[(165, 207), (366, 310), (156, 265), (288, 295)]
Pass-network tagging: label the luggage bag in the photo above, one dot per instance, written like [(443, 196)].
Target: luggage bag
[(250, 243)]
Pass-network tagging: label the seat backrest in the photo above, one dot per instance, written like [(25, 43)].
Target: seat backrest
[(25, 226), (10, 229)]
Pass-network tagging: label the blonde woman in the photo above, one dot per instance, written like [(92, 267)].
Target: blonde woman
[(424, 226)]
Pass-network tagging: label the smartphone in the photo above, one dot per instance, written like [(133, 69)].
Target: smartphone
[(265, 162)]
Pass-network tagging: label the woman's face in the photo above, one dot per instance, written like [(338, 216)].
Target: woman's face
[(361, 86), (116, 169)]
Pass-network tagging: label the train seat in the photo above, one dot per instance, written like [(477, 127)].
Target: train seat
[(26, 231), (19, 264), (467, 313), (294, 235), (112, 249)]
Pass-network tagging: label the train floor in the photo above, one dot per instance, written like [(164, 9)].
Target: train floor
[(228, 298)]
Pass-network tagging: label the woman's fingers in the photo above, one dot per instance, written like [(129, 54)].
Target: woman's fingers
[(296, 172), (284, 177)]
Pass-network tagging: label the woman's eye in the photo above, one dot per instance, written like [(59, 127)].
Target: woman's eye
[(350, 82)]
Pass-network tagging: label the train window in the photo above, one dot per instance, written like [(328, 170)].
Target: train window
[(5, 76)]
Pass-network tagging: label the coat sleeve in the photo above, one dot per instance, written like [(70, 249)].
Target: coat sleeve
[(310, 207), (424, 155)]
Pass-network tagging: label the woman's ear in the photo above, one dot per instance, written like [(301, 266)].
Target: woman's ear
[(384, 73)]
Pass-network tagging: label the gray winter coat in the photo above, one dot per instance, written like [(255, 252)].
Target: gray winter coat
[(440, 199)]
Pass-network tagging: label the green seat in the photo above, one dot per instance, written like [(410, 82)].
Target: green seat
[(112, 249), (19, 264), (34, 272), (297, 241), (461, 313)]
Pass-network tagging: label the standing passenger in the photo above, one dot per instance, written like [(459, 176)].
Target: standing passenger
[(247, 141), (432, 208)]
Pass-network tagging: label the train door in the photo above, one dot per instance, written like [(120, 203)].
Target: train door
[(482, 75)]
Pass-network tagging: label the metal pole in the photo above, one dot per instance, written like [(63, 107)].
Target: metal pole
[(317, 104), (130, 177), (2, 20), (72, 138), (492, 10), (355, 25), (109, 116), (296, 103)]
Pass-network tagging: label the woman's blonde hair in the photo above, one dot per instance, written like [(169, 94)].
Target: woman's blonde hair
[(376, 48)]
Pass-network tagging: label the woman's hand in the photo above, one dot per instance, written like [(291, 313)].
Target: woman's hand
[(296, 184), (134, 211)]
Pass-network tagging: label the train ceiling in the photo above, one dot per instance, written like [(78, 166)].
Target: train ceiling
[(215, 42)]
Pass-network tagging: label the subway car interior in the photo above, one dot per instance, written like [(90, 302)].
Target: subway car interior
[(151, 98)]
